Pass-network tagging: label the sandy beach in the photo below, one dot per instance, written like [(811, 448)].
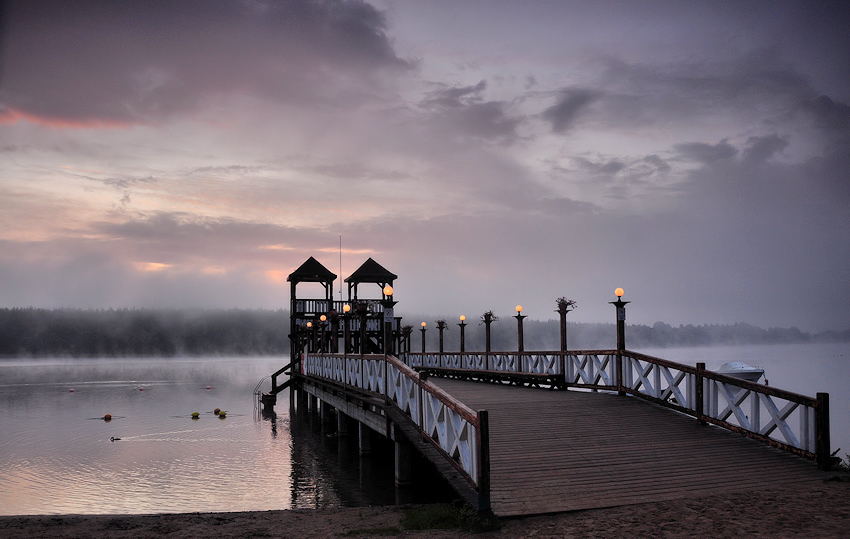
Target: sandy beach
[(820, 509)]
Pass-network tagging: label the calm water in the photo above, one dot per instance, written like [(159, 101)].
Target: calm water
[(56, 456)]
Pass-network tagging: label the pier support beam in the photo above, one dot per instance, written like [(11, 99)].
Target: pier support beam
[(326, 412), (341, 424), (403, 464), (364, 439), (403, 458)]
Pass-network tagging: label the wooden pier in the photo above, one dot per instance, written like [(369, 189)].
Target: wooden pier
[(533, 432), (553, 451)]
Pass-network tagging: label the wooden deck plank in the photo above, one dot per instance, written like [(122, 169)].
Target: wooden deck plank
[(554, 451)]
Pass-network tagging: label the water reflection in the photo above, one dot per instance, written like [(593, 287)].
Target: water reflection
[(56, 456), (328, 470)]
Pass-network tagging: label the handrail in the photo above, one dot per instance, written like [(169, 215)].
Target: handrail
[(455, 430), (795, 423), (275, 387)]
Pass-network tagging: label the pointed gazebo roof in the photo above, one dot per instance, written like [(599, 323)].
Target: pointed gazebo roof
[(311, 271), (371, 272)]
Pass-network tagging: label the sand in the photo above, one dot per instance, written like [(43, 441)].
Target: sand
[(818, 509)]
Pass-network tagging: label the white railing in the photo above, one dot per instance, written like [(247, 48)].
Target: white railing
[(780, 416), (595, 369), (666, 381), (795, 423), (777, 417), (447, 423)]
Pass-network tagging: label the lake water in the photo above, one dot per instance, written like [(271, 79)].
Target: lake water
[(57, 457)]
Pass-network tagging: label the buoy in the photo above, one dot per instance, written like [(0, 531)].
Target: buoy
[(208, 388), (141, 389), (216, 411), (195, 415), (107, 417), (72, 390), (222, 414)]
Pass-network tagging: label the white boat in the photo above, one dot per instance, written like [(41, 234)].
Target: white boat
[(739, 369)]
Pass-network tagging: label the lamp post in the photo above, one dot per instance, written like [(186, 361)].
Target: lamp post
[(346, 334), (310, 338), (405, 332), (488, 318), (389, 315), (362, 311), (621, 337), (519, 337), (323, 345), (462, 328), (441, 326), (621, 318), (564, 306), (422, 329)]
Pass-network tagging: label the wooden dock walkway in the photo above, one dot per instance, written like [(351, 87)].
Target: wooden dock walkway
[(553, 451)]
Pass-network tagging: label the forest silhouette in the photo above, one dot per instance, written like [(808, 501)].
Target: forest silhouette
[(33, 332)]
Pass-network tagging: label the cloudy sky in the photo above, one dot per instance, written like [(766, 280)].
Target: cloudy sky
[(193, 154)]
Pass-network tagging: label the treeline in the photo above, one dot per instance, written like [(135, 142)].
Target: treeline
[(142, 332), (154, 332)]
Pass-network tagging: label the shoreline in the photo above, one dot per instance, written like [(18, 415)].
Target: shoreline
[(816, 509)]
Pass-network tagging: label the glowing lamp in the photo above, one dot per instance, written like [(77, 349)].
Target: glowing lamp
[(462, 318), (619, 292), (519, 309), (388, 290), (309, 324), (346, 308), (323, 318), (422, 324)]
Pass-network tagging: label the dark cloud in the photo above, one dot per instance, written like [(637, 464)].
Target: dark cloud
[(457, 97), (657, 163), (706, 153), (829, 114), (763, 148), (126, 182), (606, 167), (104, 61), (570, 105), (467, 113), (640, 94)]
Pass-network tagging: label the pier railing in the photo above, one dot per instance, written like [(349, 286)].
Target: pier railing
[(786, 420), (460, 434)]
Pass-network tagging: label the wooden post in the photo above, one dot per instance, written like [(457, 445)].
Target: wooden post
[(621, 388), (423, 377), (483, 460), (364, 439), (699, 405), (822, 432), (341, 424), (403, 458)]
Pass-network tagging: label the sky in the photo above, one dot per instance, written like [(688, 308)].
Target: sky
[(193, 154)]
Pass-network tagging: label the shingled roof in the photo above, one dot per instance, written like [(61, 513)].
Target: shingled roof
[(371, 272), (312, 271)]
